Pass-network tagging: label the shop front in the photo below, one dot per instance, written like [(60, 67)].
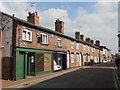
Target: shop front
[(32, 62), (59, 60)]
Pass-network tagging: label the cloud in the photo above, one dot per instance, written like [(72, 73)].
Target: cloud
[(101, 24), (48, 17), (17, 8)]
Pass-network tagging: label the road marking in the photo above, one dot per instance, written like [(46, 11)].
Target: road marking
[(116, 86)]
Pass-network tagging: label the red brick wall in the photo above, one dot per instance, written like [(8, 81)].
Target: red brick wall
[(52, 41), (6, 68), (52, 44)]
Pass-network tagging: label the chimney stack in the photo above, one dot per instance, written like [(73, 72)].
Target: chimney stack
[(77, 35), (92, 41), (33, 18), (82, 37), (59, 26), (88, 40), (98, 42)]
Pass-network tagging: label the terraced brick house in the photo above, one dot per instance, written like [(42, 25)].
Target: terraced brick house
[(30, 50)]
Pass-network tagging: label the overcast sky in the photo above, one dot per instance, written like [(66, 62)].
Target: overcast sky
[(97, 20)]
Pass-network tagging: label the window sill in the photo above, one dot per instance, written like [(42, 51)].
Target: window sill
[(59, 46), (27, 41), (44, 44)]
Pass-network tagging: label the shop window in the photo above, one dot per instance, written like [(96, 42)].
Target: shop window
[(39, 62), (72, 58), (77, 57), (59, 42), (57, 59), (26, 35), (72, 45), (77, 46), (43, 39)]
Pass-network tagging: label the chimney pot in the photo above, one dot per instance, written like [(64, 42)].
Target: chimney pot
[(98, 42), (77, 35), (82, 37), (33, 18), (59, 26), (88, 40)]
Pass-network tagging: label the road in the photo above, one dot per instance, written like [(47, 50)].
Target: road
[(96, 76)]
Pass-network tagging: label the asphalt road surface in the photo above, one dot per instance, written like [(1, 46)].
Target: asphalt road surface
[(96, 76)]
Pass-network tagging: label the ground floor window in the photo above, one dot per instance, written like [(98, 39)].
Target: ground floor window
[(43, 62), (77, 57), (84, 58), (72, 58), (57, 61)]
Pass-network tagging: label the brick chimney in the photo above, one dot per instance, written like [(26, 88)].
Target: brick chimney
[(88, 40), (82, 37), (92, 41), (33, 18), (59, 26), (98, 42), (77, 35)]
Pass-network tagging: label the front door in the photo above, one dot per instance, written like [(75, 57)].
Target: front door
[(31, 64), (21, 66), (68, 55), (64, 62)]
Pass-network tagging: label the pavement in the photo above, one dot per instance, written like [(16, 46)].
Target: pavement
[(96, 76), (34, 79), (82, 72)]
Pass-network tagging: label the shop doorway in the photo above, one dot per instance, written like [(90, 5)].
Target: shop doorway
[(31, 64)]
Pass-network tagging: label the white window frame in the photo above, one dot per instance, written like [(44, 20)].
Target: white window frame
[(77, 45), (72, 45), (72, 57), (26, 35), (44, 40), (84, 47), (88, 48), (59, 42), (92, 49), (84, 58), (77, 57)]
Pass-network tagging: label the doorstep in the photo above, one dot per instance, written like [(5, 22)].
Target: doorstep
[(34, 80)]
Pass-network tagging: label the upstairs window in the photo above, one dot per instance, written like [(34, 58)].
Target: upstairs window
[(72, 45), (43, 39), (88, 48), (59, 42), (92, 49), (77, 46), (84, 47), (26, 35)]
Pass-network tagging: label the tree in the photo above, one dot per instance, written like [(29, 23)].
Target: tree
[(117, 55)]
